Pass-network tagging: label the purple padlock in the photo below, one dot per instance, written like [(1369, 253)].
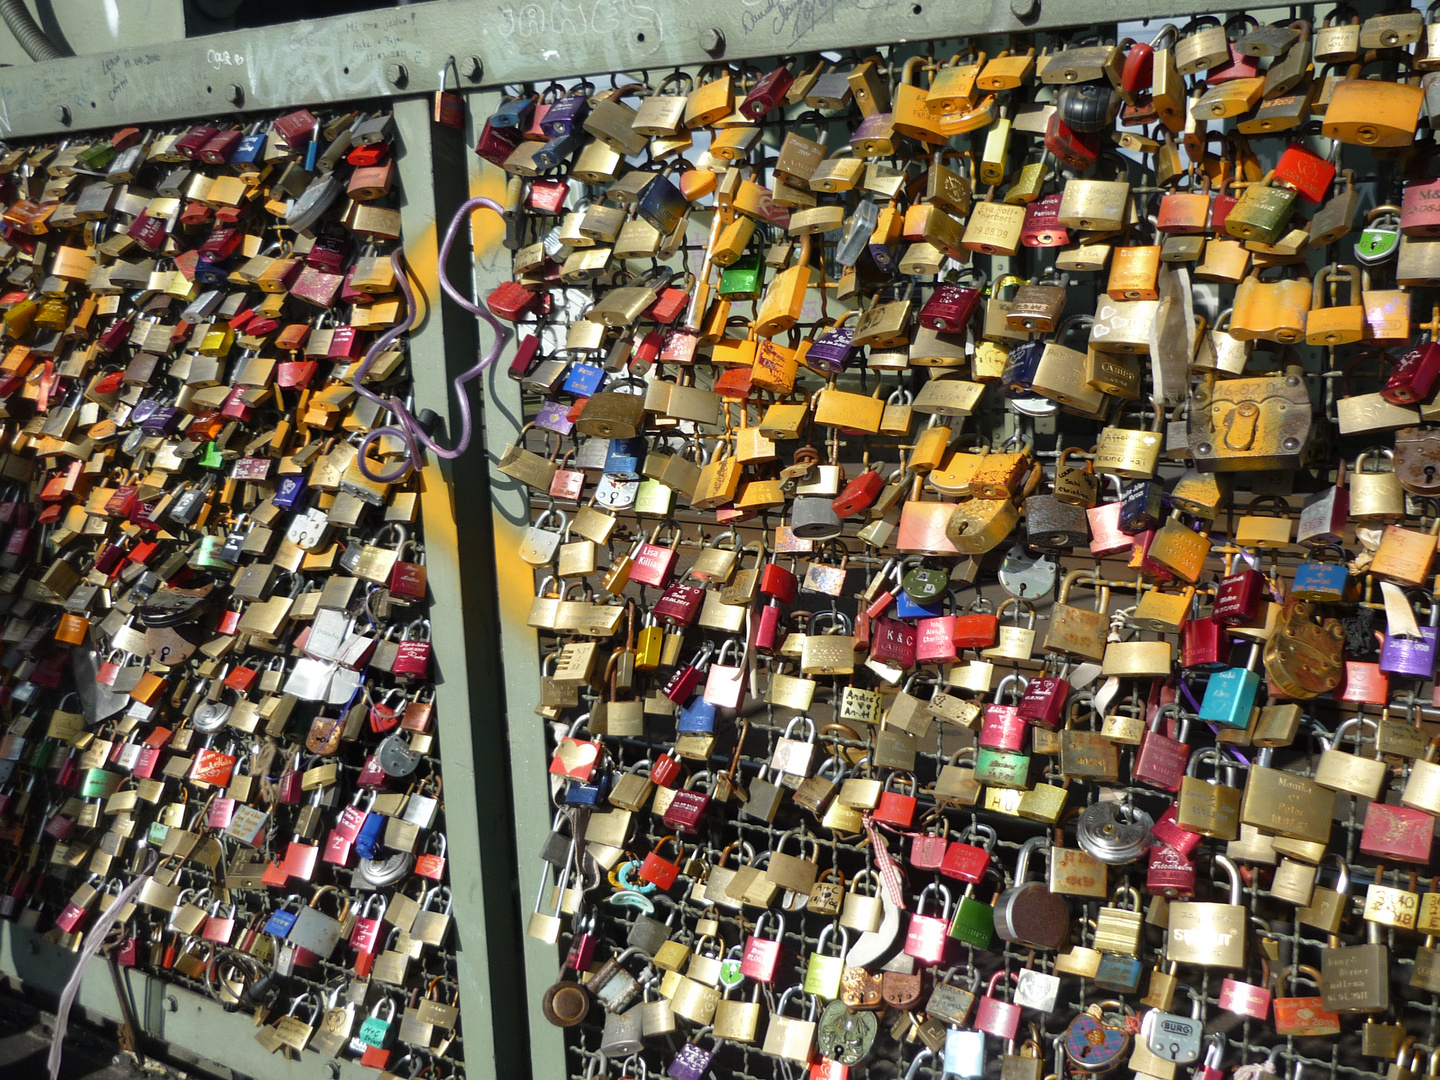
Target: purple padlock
[(566, 115), (691, 1063), (832, 352), (165, 420), (1413, 657), (554, 417)]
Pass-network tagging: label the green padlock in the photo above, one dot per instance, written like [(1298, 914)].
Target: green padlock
[(923, 584), (208, 554), (40, 755), (379, 1031), (741, 280), (654, 498), (99, 782), (974, 920), (158, 832), (1002, 768), (211, 458), (1380, 239), (97, 156)]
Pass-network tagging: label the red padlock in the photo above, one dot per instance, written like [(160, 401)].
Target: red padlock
[(1238, 598), (1168, 831), (1160, 761), (935, 640), (928, 849), (1169, 873), (682, 681), (859, 494), (949, 309), (762, 955), (893, 642), (1204, 645), (895, 808), (1246, 999), (1043, 702), (767, 93), (968, 862), (687, 808), (978, 627), (659, 871), (994, 1015), (1042, 228), (1307, 172), (1397, 832), (666, 769), (1413, 376)]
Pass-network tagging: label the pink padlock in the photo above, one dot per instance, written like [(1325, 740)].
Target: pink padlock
[(1043, 702), (1161, 760), (995, 1016), (1104, 518), (927, 935), (1002, 728), (935, 640)]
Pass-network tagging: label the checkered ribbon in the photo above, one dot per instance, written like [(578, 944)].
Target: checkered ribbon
[(890, 878)]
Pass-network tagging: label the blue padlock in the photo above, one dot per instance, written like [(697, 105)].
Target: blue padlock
[(584, 380), (556, 151), (249, 149), (209, 272), (1018, 375), (883, 259), (624, 456), (291, 490), (280, 922), (369, 835), (698, 716), (906, 608), (964, 1053), (1140, 507), (1325, 582), (578, 794), (661, 203), (1230, 695), (514, 113)]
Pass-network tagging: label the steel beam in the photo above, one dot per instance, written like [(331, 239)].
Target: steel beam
[(460, 563), (400, 52), (509, 507)]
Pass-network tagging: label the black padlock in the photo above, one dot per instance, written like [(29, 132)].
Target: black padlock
[(1088, 107)]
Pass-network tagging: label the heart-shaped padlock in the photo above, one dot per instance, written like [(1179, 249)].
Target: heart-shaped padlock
[(1025, 575), (846, 1035), (1094, 1045)]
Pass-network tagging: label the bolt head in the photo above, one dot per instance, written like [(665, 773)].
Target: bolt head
[(62, 114), (712, 40), (473, 68), (396, 74), (235, 94), (1024, 9)]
